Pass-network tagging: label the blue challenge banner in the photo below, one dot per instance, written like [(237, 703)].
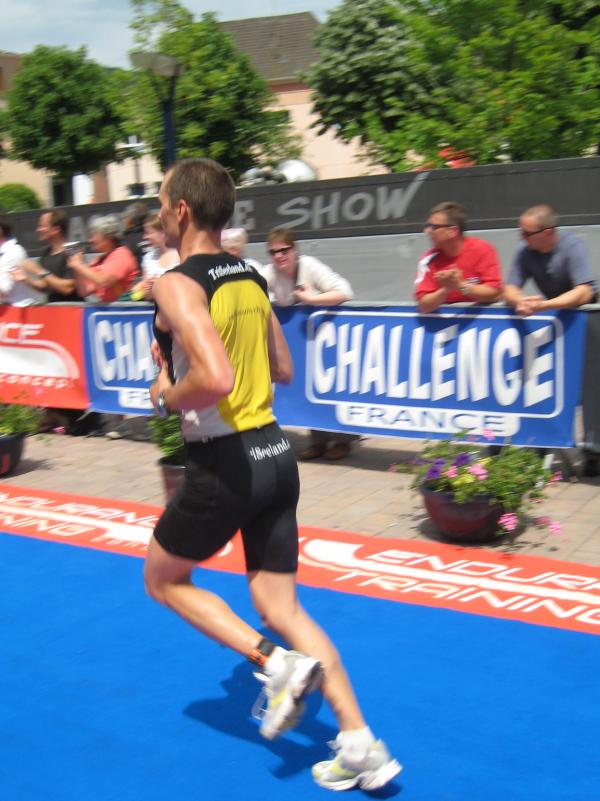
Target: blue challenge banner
[(118, 363), (391, 371)]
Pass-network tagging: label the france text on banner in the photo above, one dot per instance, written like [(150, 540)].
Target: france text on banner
[(394, 372), (41, 356), (528, 589)]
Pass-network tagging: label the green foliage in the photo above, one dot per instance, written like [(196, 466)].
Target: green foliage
[(61, 114), (512, 478), (18, 419), (166, 433), (18, 197), (220, 101), (501, 80)]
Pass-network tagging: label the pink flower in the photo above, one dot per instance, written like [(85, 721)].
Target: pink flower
[(554, 527), (451, 472), (543, 521), (509, 521), (488, 434), (478, 471), (556, 477), (59, 430)]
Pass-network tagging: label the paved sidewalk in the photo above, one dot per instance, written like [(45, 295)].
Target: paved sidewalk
[(358, 494)]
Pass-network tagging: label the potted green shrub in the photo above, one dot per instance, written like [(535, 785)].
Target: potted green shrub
[(166, 433), (472, 495), (16, 422)]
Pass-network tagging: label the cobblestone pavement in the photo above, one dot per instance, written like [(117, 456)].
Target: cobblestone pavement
[(358, 494)]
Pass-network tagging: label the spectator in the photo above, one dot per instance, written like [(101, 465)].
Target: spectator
[(132, 220), (13, 290), (52, 274), (234, 242), (293, 278), (557, 262), (157, 259), (113, 272), (457, 269)]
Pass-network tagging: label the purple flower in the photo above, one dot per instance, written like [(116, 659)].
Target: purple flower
[(434, 472), (462, 459)]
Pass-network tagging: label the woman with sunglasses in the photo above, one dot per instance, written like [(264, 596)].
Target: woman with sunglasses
[(294, 278)]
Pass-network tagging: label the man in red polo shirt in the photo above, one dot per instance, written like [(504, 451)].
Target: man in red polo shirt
[(457, 268)]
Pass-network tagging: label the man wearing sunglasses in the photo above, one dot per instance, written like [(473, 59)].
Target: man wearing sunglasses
[(457, 268), (556, 261)]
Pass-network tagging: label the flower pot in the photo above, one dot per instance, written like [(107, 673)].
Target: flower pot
[(11, 450), (172, 475), (474, 521)]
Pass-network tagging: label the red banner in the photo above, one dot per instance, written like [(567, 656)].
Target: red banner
[(510, 586), (41, 357)]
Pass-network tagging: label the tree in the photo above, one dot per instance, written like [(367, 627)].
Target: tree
[(496, 79), (221, 103), (60, 116), (18, 197)]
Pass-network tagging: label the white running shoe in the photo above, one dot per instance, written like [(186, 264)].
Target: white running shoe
[(285, 692), (375, 769)]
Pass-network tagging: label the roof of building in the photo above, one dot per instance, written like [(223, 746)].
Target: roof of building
[(278, 47)]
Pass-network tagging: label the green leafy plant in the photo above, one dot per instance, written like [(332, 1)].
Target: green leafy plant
[(18, 419), (166, 433), (513, 478), (18, 197)]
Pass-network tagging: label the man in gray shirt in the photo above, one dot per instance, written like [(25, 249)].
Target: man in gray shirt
[(558, 263)]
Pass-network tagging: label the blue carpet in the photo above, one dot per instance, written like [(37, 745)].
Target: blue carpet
[(105, 696)]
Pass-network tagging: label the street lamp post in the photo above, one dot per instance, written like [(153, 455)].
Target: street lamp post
[(170, 68)]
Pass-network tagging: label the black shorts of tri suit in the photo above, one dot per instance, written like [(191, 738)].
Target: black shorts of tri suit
[(247, 481)]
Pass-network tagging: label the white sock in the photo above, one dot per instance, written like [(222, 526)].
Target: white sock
[(275, 662), (356, 742)]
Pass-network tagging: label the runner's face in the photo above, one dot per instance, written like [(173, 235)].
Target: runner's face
[(168, 217)]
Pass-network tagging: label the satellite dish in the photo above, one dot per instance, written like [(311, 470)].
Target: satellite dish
[(296, 170)]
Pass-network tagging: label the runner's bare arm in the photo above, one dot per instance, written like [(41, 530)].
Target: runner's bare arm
[(183, 310), (280, 360)]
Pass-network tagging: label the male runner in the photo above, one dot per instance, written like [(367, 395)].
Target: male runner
[(220, 349)]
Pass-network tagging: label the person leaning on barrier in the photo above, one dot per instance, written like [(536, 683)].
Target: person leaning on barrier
[(559, 264), (51, 274), (293, 278), (557, 261), (13, 290), (110, 274), (457, 268)]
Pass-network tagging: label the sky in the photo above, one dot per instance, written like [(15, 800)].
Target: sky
[(102, 26)]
